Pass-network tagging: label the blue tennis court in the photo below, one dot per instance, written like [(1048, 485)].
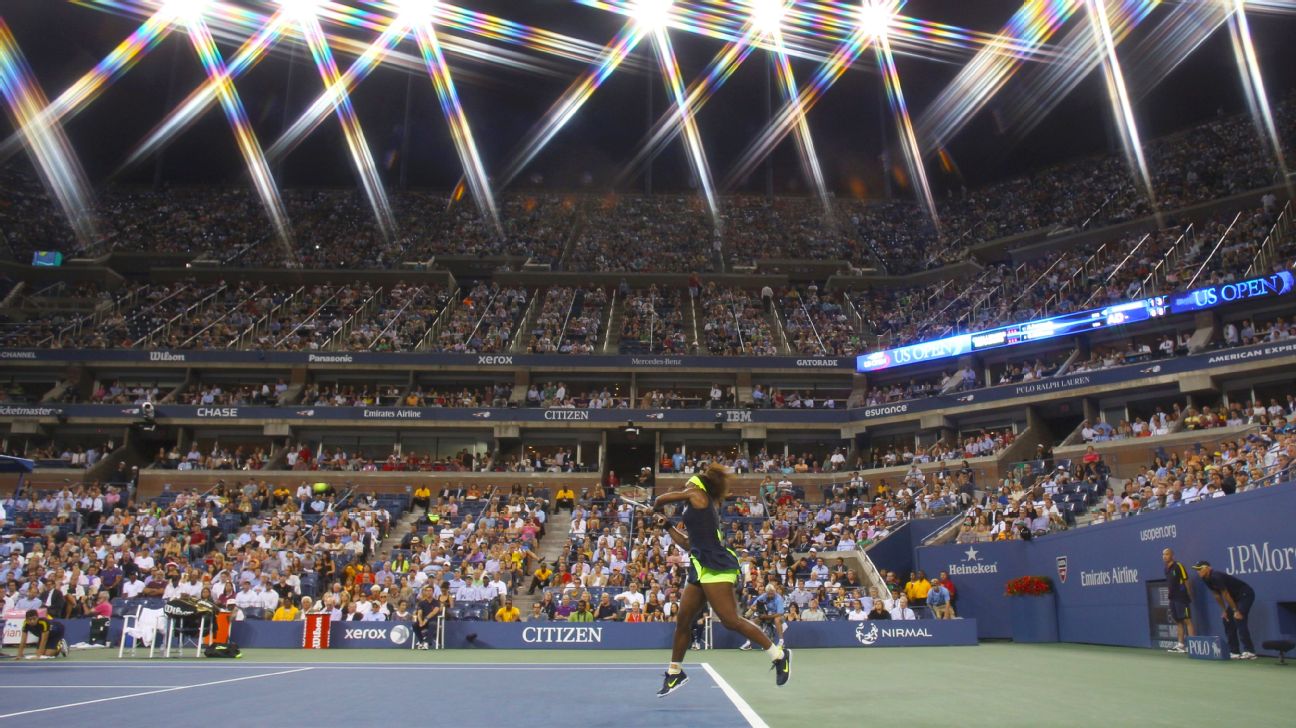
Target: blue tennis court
[(476, 694)]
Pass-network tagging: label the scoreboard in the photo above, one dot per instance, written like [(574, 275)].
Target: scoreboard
[(1078, 322)]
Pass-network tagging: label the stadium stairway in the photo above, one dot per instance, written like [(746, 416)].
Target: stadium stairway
[(775, 320), (403, 526), (552, 548), (616, 317)]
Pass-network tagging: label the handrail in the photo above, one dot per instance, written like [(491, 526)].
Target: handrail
[(1037, 280), (486, 311), (652, 324), (1214, 250), (952, 524), (224, 316), (1118, 268), (349, 324), (397, 317), (244, 337), (607, 331), (1277, 235), (571, 306), (309, 317), (167, 325), (822, 349), (435, 329)]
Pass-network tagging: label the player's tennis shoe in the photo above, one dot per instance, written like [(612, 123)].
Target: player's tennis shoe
[(783, 667), (1177, 648), (672, 683)]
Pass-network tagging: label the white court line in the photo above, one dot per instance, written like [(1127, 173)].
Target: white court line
[(149, 692), (364, 666), (750, 715), (84, 687)]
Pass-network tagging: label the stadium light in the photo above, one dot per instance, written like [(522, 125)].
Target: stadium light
[(767, 15), (300, 9), (187, 10), (653, 15), (875, 17), (416, 12)]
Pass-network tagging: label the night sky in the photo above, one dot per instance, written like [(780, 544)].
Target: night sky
[(62, 40)]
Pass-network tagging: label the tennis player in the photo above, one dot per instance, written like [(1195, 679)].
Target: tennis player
[(713, 574)]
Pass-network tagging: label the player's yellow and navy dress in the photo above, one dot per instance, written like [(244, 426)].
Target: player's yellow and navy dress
[(710, 560)]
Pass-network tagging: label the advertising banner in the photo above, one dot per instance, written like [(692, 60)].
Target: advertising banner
[(315, 631), (363, 359), (1102, 573)]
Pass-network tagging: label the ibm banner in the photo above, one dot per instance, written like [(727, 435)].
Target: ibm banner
[(1103, 573)]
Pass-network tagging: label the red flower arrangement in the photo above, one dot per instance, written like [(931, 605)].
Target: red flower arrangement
[(1028, 586)]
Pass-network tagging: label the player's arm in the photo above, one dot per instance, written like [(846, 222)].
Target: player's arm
[(676, 534), (696, 497), (40, 648)]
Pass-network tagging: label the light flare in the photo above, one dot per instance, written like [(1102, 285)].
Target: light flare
[(249, 147), (805, 141), (573, 98), (1122, 108), (460, 130), (1253, 85), (88, 87), (670, 70), (52, 155), (364, 64), (303, 11), (895, 96), (981, 79), (187, 112)]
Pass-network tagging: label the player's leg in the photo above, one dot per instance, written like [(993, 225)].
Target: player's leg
[(692, 601), (720, 595)]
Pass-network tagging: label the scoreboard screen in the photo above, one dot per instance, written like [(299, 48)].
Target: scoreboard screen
[(1078, 322)]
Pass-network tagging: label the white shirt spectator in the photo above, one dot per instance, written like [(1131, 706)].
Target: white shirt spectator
[(247, 599), (498, 586), (269, 599), (630, 598)]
